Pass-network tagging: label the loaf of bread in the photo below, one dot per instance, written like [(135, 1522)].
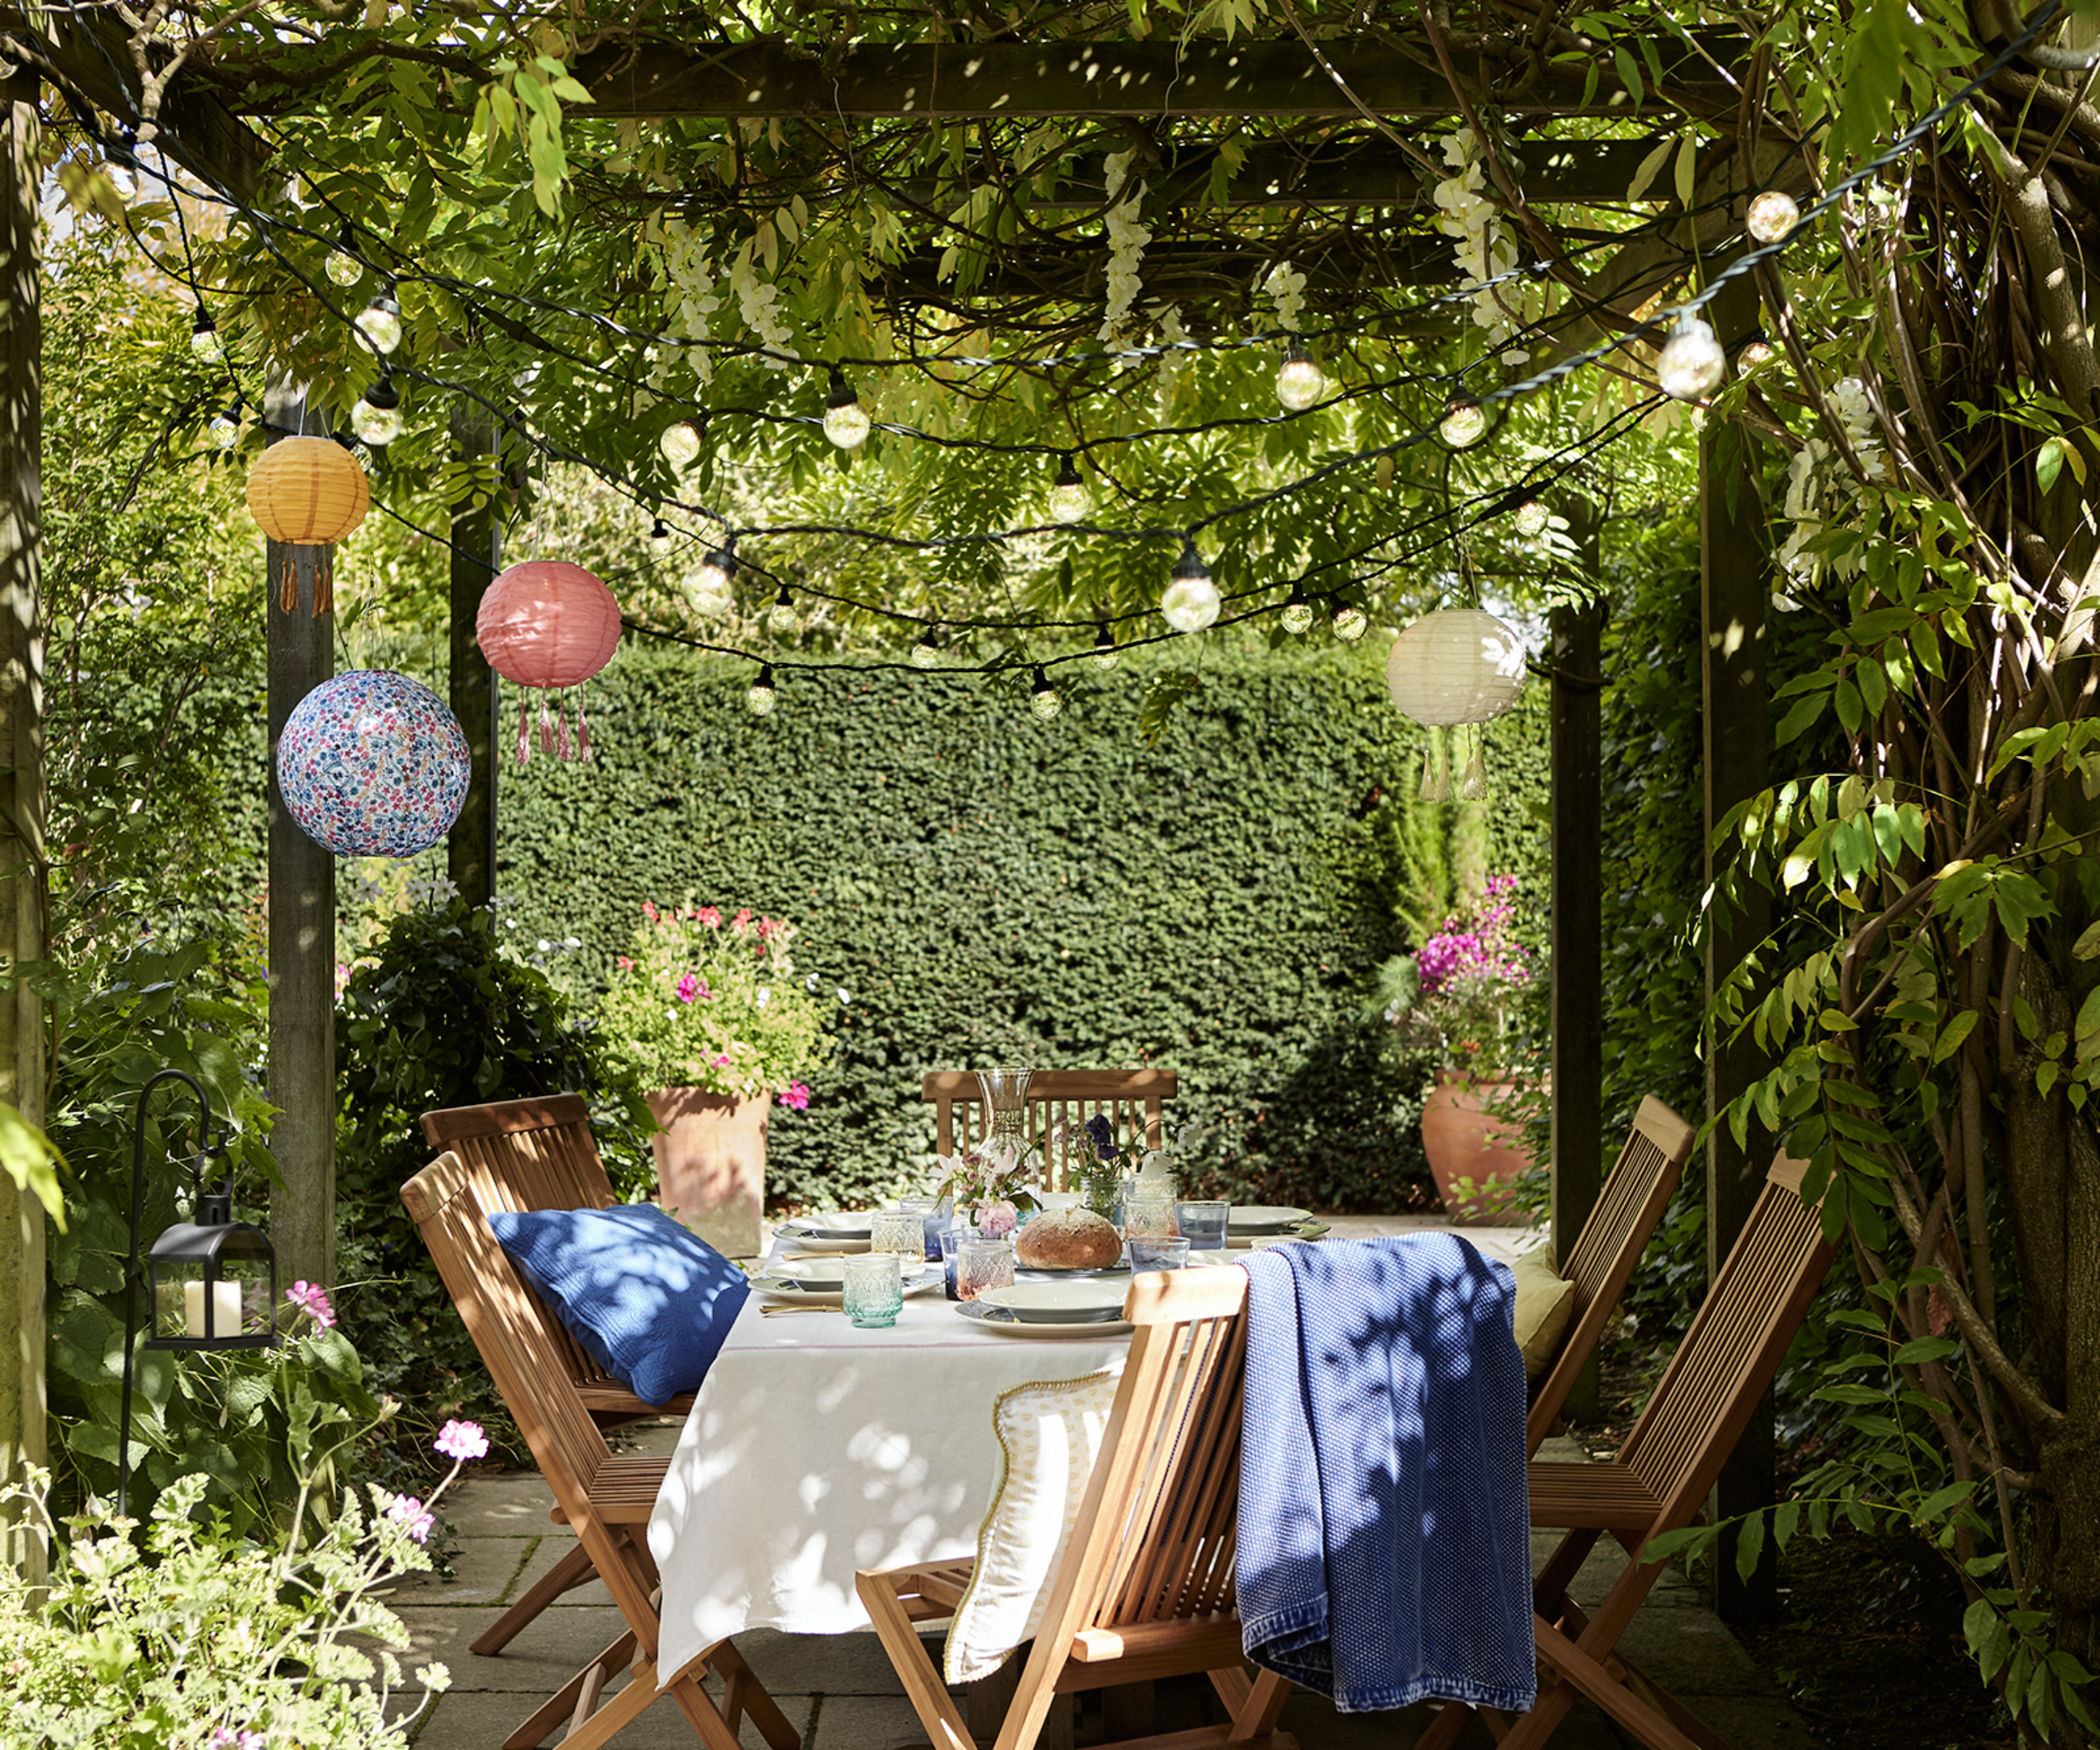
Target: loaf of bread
[(1067, 1239)]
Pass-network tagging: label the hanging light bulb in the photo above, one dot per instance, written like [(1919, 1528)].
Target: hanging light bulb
[(845, 419), (1299, 380), (781, 616), (1690, 362), (204, 338), (1069, 499), (342, 266), (1756, 351), (1044, 700), (1350, 622), (376, 419), (1298, 612), (707, 585), (1192, 601), (1105, 654), (680, 443), (660, 536), (226, 428), (1464, 424), (1772, 215), (1530, 518), (926, 653), (759, 697), (379, 322)]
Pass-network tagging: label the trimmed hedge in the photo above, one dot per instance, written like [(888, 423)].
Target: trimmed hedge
[(985, 887)]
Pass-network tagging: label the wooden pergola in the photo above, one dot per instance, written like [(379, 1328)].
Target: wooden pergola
[(201, 127)]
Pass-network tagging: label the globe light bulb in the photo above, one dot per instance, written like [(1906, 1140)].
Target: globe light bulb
[(204, 338), (1044, 700), (1299, 380), (1756, 353), (708, 585), (759, 697), (1464, 424), (1191, 601), (680, 445), (1351, 623), (1530, 518), (1772, 215), (380, 322), (926, 653), (1298, 612), (660, 536), (342, 266), (376, 419), (1691, 361), (845, 419), (226, 428), (781, 616), (1104, 655), (1069, 499)]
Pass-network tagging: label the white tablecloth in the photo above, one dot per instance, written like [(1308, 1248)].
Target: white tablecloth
[(814, 1449)]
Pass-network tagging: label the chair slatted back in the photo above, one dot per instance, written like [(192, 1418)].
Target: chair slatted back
[(1711, 1388), (1602, 1260), (1129, 1098)]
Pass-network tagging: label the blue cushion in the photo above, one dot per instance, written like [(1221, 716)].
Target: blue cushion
[(649, 1300)]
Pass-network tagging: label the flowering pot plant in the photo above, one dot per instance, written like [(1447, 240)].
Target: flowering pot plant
[(714, 1003), (1466, 985)]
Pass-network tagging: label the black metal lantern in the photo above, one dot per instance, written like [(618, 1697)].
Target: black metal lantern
[(213, 1281)]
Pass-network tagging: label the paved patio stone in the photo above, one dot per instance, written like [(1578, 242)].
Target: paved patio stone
[(485, 1571)]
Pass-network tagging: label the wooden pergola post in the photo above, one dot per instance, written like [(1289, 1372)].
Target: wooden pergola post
[(1735, 587), (25, 908), (477, 556)]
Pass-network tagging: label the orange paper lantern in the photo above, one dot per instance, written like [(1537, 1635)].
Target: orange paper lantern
[(307, 492), (547, 625)]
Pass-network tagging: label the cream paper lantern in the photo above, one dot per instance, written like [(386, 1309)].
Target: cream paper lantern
[(1455, 668)]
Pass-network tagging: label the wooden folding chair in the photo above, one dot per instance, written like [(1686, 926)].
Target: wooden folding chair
[(1601, 1261), (1129, 1099), (607, 1500), (1660, 1479), (539, 1154), (1145, 1587)]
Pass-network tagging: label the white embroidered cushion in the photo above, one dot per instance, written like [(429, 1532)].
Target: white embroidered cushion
[(1049, 1433), (1543, 1302)]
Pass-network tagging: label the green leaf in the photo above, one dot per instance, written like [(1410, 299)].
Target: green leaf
[(30, 1160), (2049, 463)]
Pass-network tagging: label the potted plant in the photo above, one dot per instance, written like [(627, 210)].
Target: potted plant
[(711, 1012), (1463, 989)]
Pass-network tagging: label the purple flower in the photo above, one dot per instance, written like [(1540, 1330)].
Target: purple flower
[(414, 1516), (463, 1441), (1101, 1132), (795, 1095), (243, 1739), (312, 1297), (688, 987)]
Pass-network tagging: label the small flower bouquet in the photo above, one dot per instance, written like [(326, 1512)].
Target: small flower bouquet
[(1096, 1163), (986, 1183), (714, 1003), (1464, 983)]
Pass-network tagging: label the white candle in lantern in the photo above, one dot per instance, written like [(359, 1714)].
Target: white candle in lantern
[(226, 1309)]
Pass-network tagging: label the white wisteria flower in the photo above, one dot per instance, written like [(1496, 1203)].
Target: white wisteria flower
[(1127, 238)]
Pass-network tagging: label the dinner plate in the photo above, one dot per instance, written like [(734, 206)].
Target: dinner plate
[(1298, 1231), (836, 1224), (820, 1294), (828, 1272), (998, 1318), (1264, 1218), (1050, 1303)]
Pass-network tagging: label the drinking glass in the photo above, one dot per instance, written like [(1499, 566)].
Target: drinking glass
[(1157, 1255), (901, 1231), (928, 1211), (951, 1236), (1203, 1224), (1148, 1211), (874, 1292), (985, 1264)]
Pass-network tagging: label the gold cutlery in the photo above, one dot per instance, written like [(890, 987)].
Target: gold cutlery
[(767, 1311)]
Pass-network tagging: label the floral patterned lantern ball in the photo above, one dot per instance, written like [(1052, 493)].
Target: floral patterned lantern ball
[(550, 625), (372, 765)]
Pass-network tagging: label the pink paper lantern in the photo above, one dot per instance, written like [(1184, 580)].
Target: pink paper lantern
[(547, 625)]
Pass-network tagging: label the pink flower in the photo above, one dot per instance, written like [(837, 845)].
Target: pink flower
[(688, 987), (624, 963), (709, 916), (243, 1739), (648, 911), (768, 928), (742, 920), (414, 1516), (463, 1441), (722, 1061), (795, 1095), (997, 1219), (312, 1297)]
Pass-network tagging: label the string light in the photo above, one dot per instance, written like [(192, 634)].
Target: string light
[(926, 653), (226, 426), (1464, 425), (376, 419), (1773, 214), (1530, 518), (680, 445), (204, 338), (342, 266), (1192, 600), (1045, 701), (759, 697), (1104, 655), (781, 617), (1690, 362), (380, 322), (1756, 351), (708, 586), (1350, 623), (1298, 612), (1299, 380), (845, 419), (1069, 499), (660, 536)]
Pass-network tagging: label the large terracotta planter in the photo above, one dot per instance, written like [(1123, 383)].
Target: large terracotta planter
[(1473, 1153), (711, 1165)]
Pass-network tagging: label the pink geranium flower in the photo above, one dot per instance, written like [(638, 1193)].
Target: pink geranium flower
[(795, 1095), (742, 920), (462, 1441), (709, 916), (414, 1516), (311, 1298), (648, 911), (688, 987)]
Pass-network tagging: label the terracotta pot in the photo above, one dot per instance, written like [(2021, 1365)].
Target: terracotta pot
[(1473, 1154), (711, 1165)]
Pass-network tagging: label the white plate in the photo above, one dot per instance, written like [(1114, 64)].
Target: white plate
[(836, 1224), (1298, 1231), (1262, 1218), (811, 1272), (786, 1288), (1050, 1302), (998, 1318)]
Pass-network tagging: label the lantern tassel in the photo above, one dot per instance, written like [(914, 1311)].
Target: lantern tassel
[(546, 729), (288, 587), (524, 732), (324, 581), (1429, 766), (561, 730), (583, 734), (1475, 785)]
